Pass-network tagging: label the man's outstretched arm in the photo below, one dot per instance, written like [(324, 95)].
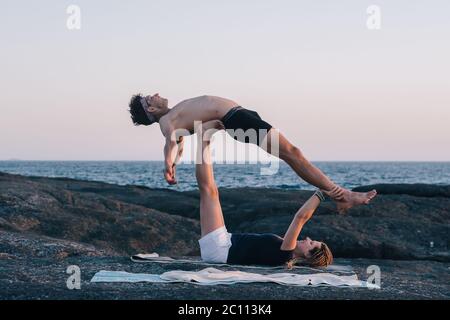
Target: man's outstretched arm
[(173, 149), (180, 146), (170, 155)]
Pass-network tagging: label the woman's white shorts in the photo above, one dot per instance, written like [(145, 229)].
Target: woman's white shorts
[(215, 245)]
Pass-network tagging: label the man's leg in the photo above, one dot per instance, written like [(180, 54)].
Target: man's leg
[(295, 159), (211, 216), (278, 145)]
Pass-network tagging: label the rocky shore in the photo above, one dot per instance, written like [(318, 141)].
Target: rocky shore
[(47, 224)]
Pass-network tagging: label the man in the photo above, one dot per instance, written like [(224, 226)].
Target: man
[(146, 110)]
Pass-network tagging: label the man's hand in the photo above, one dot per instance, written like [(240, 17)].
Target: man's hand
[(169, 174)]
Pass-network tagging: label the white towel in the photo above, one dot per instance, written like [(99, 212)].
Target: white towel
[(122, 276), (213, 276)]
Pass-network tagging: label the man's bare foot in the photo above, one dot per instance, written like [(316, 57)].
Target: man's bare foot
[(352, 199), (211, 127)]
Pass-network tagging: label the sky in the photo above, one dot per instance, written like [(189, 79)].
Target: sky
[(337, 89)]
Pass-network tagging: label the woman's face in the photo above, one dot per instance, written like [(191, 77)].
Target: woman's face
[(306, 245)]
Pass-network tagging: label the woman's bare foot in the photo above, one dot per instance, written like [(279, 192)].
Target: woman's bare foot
[(351, 199)]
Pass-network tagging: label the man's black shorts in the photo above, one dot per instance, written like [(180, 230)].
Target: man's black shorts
[(254, 129)]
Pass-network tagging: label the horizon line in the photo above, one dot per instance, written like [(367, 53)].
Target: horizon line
[(223, 162)]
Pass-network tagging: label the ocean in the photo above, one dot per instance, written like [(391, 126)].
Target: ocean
[(149, 173)]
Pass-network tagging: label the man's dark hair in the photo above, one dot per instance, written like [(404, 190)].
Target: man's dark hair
[(138, 115)]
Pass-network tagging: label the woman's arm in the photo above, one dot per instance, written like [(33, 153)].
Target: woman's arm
[(301, 217)]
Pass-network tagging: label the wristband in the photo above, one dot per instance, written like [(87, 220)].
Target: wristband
[(319, 195)]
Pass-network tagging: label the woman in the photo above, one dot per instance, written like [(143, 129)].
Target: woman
[(219, 246)]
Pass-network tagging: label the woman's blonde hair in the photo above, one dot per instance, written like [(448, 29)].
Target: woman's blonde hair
[(319, 257)]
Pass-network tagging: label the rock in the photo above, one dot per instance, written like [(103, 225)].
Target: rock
[(417, 189), (391, 227), (84, 212), (47, 224), (132, 219), (42, 278)]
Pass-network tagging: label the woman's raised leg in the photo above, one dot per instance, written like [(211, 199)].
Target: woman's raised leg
[(211, 216)]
